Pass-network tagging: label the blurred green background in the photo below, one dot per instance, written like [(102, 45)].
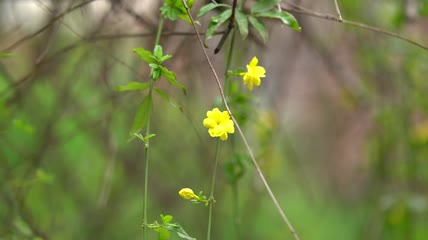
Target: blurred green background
[(339, 125)]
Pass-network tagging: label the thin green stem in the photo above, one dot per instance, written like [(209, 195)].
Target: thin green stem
[(212, 189), (159, 32), (227, 89), (229, 62), (236, 218), (147, 143), (146, 151)]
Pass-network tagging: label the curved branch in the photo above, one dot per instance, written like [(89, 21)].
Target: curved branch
[(299, 10), (56, 18)]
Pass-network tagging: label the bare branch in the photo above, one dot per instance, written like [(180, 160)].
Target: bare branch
[(56, 18), (300, 10)]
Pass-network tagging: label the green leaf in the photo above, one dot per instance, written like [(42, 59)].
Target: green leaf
[(285, 17), (260, 27), (164, 234), (149, 136), (132, 86), (165, 96), (181, 233), (155, 71), (210, 6), (166, 218), (138, 135), (158, 52), (145, 55), (264, 5), (217, 21), (242, 21), (189, 3), (185, 17), (164, 58), (142, 115), (162, 94), (170, 77)]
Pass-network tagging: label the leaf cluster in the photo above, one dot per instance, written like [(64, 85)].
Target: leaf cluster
[(173, 9), (155, 60), (166, 227), (261, 9)]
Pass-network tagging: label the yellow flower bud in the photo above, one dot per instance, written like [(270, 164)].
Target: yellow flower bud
[(188, 194)]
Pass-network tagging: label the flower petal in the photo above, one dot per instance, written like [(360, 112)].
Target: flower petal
[(254, 62), (209, 123)]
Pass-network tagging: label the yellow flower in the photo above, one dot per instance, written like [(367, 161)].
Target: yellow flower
[(219, 124), (253, 74), (188, 194)]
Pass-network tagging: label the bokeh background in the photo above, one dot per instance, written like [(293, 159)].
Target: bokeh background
[(339, 126)]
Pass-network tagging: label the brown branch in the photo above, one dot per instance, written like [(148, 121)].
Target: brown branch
[(137, 35), (300, 10), (32, 35), (229, 28), (253, 159)]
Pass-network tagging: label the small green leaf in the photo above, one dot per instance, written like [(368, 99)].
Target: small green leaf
[(242, 21), (285, 17), (175, 227), (132, 86), (158, 52), (138, 135), (154, 65), (149, 136), (170, 77), (165, 96), (264, 5), (145, 55), (156, 71), (217, 21), (162, 94), (164, 234), (142, 115), (175, 8), (185, 17), (210, 6), (166, 219), (164, 58), (260, 27)]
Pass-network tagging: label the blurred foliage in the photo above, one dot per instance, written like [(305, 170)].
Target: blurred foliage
[(63, 124)]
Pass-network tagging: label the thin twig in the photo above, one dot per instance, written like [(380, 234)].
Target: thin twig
[(32, 35), (253, 159), (229, 28), (139, 35), (338, 10), (300, 10)]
